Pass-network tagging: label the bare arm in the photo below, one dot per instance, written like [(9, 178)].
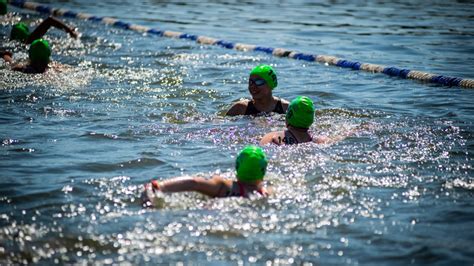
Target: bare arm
[(333, 139), (7, 56), (284, 104), (273, 137), (325, 140), (237, 109), (210, 187), (44, 26)]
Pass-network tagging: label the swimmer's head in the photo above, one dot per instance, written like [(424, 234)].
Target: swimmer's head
[(3, 7), (300, 112), (267, 73), (251, 164), (20, 32), (39, 52)]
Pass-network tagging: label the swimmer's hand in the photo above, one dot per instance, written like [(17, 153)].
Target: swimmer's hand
[(7, 56), (4, 52), (73, 32), (150, 196), (267, 191)]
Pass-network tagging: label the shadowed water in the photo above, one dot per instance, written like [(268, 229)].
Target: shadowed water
[(78, 144)]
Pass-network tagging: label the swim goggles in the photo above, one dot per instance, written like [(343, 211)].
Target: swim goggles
[(258, 82)]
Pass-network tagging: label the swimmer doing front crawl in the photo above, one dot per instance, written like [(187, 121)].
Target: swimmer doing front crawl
[(250, 165), (39, 52), (39, 55), (20, 31), (262, 81)]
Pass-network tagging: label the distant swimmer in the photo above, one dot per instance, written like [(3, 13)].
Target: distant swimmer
[(20, 31), (262, 81), (3, 7), (251, 165), (6, 17), (39, 55), (299, 118)]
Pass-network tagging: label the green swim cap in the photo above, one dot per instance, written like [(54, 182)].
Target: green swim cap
[(267, 73), (20, 32), (251, 164), (39, 52), (300, 113), (3, 7)]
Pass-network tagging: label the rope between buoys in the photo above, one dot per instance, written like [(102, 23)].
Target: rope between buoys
[(280, 52)]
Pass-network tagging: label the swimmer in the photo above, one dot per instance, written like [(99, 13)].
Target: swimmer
[(3, 7), (299, 118), (251, 164), (7, 18), (39, 55), (20, 31), (262, 81)]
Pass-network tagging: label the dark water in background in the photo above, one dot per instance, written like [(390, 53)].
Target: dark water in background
[(77, 145)]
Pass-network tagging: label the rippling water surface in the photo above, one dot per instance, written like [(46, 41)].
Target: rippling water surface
[(77, 144)]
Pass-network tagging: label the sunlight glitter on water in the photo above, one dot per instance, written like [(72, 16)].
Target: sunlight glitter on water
[(77, 146)]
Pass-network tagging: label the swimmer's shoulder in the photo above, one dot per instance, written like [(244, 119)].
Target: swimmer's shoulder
[(284, 104), (28, 69), (222, 184), (53, 66), (24, 68), (275, 137), (267, 191), (238, 108)]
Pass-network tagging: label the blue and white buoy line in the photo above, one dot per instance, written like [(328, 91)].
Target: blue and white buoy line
[(280, 52)]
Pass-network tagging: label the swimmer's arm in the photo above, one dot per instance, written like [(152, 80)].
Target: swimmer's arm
[(272, 137), (284, 104), (237, 109), (19, 67), (333, 139), (209, 187), (7, 56), (44, 26)]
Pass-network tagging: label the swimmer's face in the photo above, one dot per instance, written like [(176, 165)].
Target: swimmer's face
[(258, 87)]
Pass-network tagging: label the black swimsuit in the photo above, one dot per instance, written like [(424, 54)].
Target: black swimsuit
[(291, 139), (251, 110), (238, 190)]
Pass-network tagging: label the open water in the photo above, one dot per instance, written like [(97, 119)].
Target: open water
[(77, 144)]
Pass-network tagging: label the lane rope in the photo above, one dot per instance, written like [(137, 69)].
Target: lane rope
[(279, 52)]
